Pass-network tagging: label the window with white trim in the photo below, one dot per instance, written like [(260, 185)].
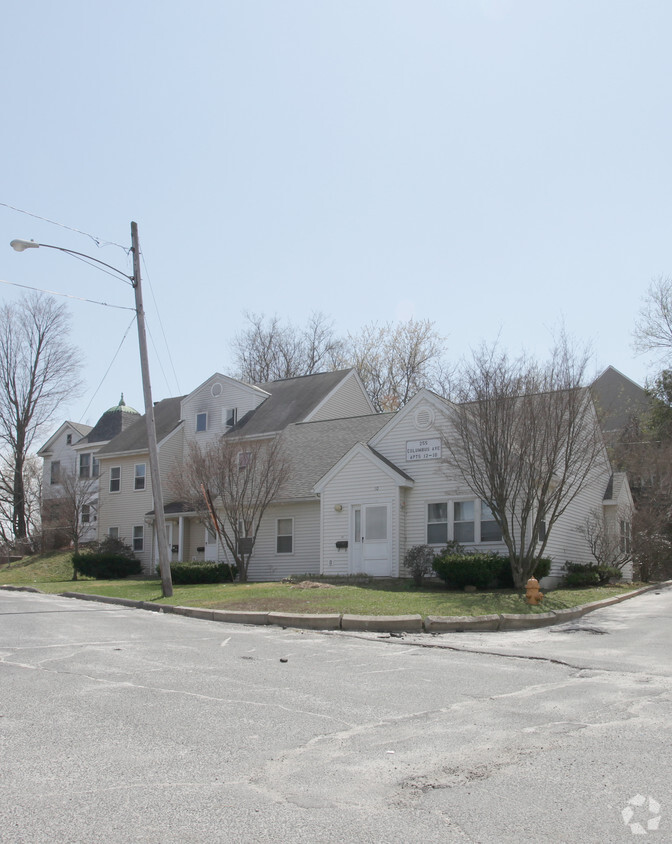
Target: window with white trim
[(68, 439), (230, 416), (437, 523), (626, 536), (284, 542), (140, 472), (84, 465), (490, 530), (138, 537), (244, 458), (86, 513), (95, 467), (201, 421), (463, 521), (55, 471), (113, 532), (468, 522), (115, 479)]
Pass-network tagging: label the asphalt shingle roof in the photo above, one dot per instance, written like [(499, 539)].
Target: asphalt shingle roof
[(290, 401), (312, 448), (134, 438)]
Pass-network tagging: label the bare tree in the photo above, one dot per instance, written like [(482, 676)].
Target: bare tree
[(32, 489), (269, 349), (38, 371), (525, 439), (243, 478), (653, 329), (70, 513), (609, 544), (394, 361)]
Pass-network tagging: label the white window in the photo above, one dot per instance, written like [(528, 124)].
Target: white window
[(437, 523), (113, 532), (138, 538), (463, 525), (55, 471), (490, 530), (468, 522), (95, 468), (626, 537), (244, 458), (284, 543), (115, 479), (230, 415), (68, 439), (86, 513), (140, 469), (201, 421), (84, 465)]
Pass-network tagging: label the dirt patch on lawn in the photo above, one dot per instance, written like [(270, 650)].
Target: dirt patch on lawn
[(289, 604)]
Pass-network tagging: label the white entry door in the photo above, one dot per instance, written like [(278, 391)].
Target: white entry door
[(375, 540), (211, 545)]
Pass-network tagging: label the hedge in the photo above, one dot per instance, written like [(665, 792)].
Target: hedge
[(484, 571), (202, 572), (105, 566)]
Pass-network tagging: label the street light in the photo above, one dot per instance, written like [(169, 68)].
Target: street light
[(157, 494)]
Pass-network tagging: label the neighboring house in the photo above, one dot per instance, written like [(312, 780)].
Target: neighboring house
[(70, 457), (399, 489), (223, 406), (618, 400), (363, 487)]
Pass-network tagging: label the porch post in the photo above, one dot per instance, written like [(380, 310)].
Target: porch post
[(180, 539)]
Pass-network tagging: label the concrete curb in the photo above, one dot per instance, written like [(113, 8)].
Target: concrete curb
[(382, 623), (306, 621), (367, 623)]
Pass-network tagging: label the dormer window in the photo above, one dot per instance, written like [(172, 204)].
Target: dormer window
[(201, 421), (230, 416)]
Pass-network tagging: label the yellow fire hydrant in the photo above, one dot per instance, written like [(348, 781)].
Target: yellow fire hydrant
[(532, 593)]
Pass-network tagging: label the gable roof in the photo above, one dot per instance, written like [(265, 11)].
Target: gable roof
[(440, 404), (291, 400), (400, 477), (134, 438), (312, 448), (77, 427), (617, 399)]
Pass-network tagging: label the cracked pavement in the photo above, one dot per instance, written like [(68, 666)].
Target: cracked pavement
[(123, 725)]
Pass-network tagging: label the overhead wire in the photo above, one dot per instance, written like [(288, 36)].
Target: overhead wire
[(66, 295), (107, 371), (97, 240), (158, 313)]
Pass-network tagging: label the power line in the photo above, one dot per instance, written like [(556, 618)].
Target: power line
[(165, 339), (98, 241), (66, 295), (107, 371)]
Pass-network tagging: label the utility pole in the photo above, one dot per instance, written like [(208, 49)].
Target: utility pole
[(157, 493)]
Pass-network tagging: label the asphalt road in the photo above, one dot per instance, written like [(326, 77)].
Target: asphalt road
[(120, 725)]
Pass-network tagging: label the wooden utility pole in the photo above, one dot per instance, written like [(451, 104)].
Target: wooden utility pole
[(157, 493)]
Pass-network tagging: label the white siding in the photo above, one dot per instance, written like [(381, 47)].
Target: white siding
[(565, 542), (267, 564), (202, 400), (359, 482), (348, 399)]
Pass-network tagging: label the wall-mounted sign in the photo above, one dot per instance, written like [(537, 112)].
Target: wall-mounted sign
[(423, 449)]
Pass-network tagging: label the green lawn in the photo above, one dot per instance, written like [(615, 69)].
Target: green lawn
[(53, 573)]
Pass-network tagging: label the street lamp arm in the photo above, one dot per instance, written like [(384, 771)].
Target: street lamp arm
[(22, 245)]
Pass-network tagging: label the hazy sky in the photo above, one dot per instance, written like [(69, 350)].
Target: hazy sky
[(495, 166)]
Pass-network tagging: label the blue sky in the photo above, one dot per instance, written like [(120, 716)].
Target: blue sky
[(498, 167)]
